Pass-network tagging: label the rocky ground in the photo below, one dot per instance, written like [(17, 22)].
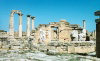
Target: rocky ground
[(28, 55)]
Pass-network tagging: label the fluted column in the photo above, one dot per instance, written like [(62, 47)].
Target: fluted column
[(20, 25), (33, 27), (11, 25), (28, 25)]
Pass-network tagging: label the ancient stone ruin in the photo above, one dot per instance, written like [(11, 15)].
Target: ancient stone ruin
[(62, 36)]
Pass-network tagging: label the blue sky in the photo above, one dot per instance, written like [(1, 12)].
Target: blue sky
[(74, 11)]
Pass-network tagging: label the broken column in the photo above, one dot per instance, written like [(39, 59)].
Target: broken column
[(97, 13), (11, 25), (20, 24), (84, 24), (84, 30), (95, 34), (33, 18), (28, 25)]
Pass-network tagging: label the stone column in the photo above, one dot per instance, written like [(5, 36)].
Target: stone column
[(84, 30), (98, 38), (97, 13), (20, 25), (33, 27), (11, 25), (84, 24), (28, 25)]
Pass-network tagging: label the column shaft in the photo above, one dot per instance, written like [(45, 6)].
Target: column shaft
[(32, 24), (11, 26), (84, 24), (33, 27), (98, 39), (28, 25), (20, 25)]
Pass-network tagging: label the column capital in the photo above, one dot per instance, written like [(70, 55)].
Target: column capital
[(28, 15), (20, 14), (33, 17), (84, 20), (97, 20), (97, 13)]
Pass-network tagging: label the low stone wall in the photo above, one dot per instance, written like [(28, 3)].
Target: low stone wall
[(81, 49), (70, 47), (74, 47)]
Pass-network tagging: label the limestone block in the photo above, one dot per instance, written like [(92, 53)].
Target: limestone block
[(71, 49)]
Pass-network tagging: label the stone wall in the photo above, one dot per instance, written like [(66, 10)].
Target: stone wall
[(81, 49)]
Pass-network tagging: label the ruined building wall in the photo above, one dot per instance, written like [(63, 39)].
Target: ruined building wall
[(55, 31), (43, 34), (64, 32)]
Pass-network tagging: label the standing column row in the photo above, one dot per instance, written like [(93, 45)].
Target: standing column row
[(11, 33)]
